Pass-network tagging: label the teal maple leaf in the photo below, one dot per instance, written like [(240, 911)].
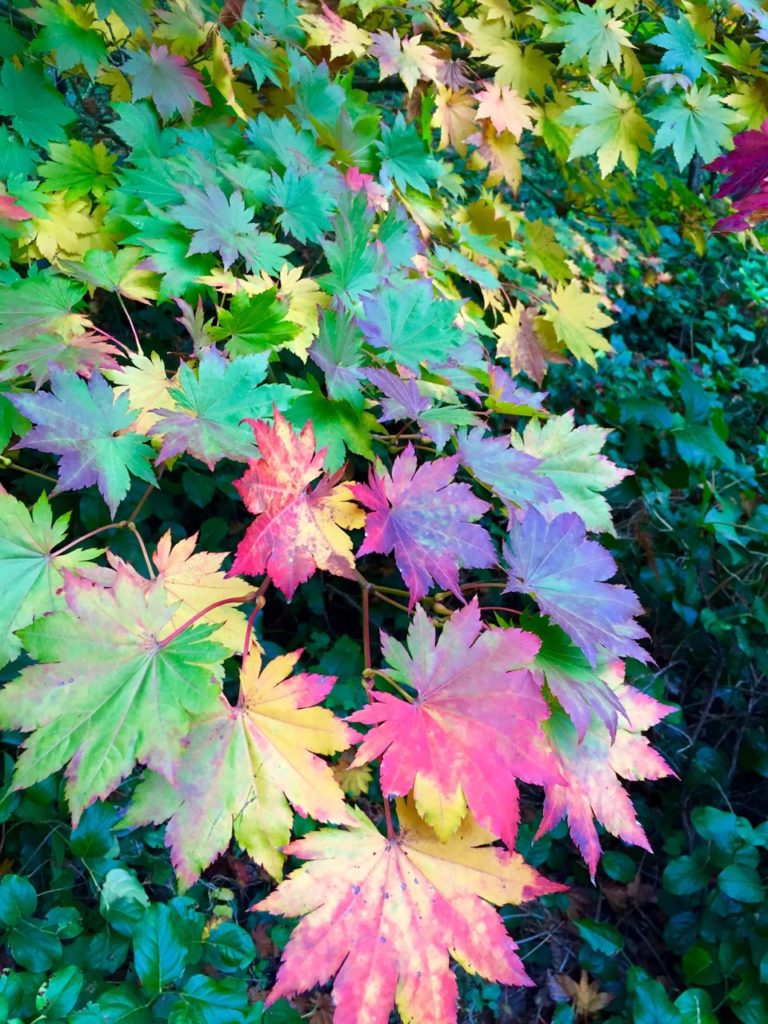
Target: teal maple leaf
[(306, 202), (404, 159), (355, 264), (86, 426), (38, 113), (684, 47), (591, 32), (226, 226), (213, 405), (694, 122)]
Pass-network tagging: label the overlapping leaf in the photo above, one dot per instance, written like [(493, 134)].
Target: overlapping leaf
[(427, 519), (243, 765), (384, 914), (473, 729), (296, 530)]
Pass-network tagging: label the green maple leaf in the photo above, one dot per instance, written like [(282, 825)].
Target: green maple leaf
[(226, 226), (594, 33), (694, 122), (38, 113), (132, 12), (39, 305), (684, 47), (212, 406), (613, 127), (77, 169), (338, 426), (260, 57), (354, 263), (86, 425), (404, 158), (167, 255), (115, 272), (15, 157), (406, 318), (30, 575), (109, 693), (72, 43), (306, 203), (338, 351), (254, 323)]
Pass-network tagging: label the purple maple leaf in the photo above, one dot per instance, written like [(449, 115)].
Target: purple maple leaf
[(428, 520), (565, 573), (512, 474), (747, 163), (168, 80), (403, 400)]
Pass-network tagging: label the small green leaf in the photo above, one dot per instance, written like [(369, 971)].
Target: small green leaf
[(741, 883), (159, 954)]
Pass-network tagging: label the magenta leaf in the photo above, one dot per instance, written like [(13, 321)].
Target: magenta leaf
[(428, 520), (565, 573), (746, 164)]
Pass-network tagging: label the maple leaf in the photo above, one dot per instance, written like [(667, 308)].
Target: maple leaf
[(611, 126), (746, 166), (68, 228), (85, 424), (564, 571), (592, 32), (428, 520), (511, 474), (499, 152), (519, 342), (328, 29), (404, 158), (77, 169), (109, 694), (147, 387), (575, 314), (38, 357), (694, 122), (570, 458), (593, 765), (477, 716), (38, 305), (207, 420), (168, 80), (685, 48), (11, 209), (296, 530), (409, 58), (244, 765), (122, 272), (505, 109), (255, 323), (30, 571), (306, 203), (406, 318), (40, 122), (226, 226), (403, 400), (383, 914), (338, 352), (455, 117)]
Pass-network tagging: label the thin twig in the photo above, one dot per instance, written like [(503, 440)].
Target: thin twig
[(244, 599), (131, 324)]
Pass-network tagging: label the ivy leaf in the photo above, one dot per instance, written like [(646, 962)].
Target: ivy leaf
[(168, 80), (611, 126), (564, 572), (382, 914), (428, 520), (259, 756), (108, 694), (306, 204), (694, 122), (38, 112), (685, 48), (593, 765), (30, 572), (403, 157), (210, 408), (85, 424), (226, 226), (513, 475), (570, 458), (594, 33), (575, 315), (296, 530), (405, 318), (477, 716)]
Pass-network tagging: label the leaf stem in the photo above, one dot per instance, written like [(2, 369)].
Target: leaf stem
[(124, 524), (259, 603), (369, 672), (498, 608), (366, 628), (388, 817), (388, 600), (7, 463), (244, 599), (131, 324)]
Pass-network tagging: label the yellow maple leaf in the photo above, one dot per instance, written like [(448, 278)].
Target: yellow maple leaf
[(222, 77), (328, 29), (576, 318), (148, 388), (454, 115), (304, 300), (69, 228), (499, 152)]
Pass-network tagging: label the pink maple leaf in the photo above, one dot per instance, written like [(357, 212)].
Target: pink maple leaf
[(10, 209)]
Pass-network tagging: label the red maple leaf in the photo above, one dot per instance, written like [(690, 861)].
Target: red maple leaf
[(296, 530)]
